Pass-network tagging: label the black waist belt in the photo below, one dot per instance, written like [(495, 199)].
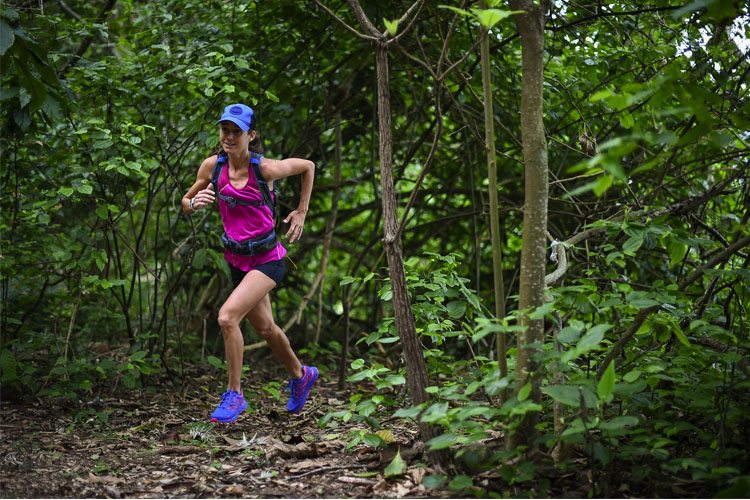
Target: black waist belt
[(253, 246)]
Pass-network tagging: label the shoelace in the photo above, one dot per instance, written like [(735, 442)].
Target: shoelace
[(226, 399)]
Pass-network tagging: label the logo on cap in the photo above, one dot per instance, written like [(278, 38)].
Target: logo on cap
[(235, 110)]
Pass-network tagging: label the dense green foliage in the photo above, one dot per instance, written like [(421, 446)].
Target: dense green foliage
[(107, 111)]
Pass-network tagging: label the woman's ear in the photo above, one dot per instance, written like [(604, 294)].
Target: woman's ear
[(251, 135)]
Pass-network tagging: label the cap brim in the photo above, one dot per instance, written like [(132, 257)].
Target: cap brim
[(236, 121)]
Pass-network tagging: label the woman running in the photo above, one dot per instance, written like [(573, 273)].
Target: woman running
[(244, 178)]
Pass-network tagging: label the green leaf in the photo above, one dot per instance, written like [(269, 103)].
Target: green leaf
[(201, 258), (215, 362), (391, 26), (607, 384), (570, 395), (102, 144), (601, 95), (460, 483), (434, 481), (456, 308), (412, 412), (456, 10), (681, 336), (8, 366), (641, 300), (619, 422), (490, 17), (442, 441), (66, 191), (632, 376), (271, 96), (435, 412), (602, 184), (523, 394), (102, 211), (569, 334), (632, 244), (592, 338), (397, 467), (6, 37), (627, 120), (374, 440), (565, 394)]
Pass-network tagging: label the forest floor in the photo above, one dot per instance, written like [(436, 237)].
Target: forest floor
[(161, 445)]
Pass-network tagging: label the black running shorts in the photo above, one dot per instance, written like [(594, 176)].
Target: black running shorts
[(275, 269)]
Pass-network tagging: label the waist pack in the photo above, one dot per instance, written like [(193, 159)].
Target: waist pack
[(252, 246)]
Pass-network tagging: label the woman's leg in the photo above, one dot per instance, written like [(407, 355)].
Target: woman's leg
[(261, 317), (245, 298)]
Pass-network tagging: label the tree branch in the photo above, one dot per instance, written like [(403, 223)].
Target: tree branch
[(343, 23), (644, 313), (678, 208), (365, 21), (417, 5), (611, 14)]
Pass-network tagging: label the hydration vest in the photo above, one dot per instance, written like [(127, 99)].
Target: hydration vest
[(259, 244), (254, 168)]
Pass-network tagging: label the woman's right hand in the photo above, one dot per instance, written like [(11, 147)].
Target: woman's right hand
[(203, 198)]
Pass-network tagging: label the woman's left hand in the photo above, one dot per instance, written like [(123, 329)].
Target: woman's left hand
[(296, 219)]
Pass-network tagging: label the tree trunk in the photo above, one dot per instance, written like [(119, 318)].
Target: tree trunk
[(404, 318), (497, 256), (530, 26), (416, 370)]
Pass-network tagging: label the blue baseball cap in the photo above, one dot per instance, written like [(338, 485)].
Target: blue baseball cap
[(239, 114)]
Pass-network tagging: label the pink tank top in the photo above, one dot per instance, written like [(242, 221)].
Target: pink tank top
[(244, 222)]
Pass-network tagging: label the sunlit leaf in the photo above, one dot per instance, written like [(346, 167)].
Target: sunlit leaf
[(397, 467), (391, 27), (607, 383)]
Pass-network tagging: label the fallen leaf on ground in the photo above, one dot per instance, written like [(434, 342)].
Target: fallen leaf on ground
[(93, 478), (234, 489), (356, 480), (278, 448), (396, 468), (307, 464), (417, 474)]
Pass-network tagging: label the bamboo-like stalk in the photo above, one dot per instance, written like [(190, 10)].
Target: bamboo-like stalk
[(497, 256)]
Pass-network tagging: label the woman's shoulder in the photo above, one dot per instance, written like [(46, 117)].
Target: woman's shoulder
[(207, 166), (211, 160)]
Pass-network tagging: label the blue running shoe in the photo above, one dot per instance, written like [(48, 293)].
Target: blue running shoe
[(300, 388), (232, 404)]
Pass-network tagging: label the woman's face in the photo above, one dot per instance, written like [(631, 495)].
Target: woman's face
[(233, 139)]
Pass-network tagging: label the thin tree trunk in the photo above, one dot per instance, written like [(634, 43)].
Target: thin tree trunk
[(404, 318), (416, 370), (497, 256), (530, 27)]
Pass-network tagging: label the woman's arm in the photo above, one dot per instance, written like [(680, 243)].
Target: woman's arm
[(201, 192), (273, 170)]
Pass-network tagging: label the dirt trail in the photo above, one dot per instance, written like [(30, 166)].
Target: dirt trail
[(160, 445)]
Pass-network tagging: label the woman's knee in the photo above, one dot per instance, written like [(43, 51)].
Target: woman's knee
[(227, 320)]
